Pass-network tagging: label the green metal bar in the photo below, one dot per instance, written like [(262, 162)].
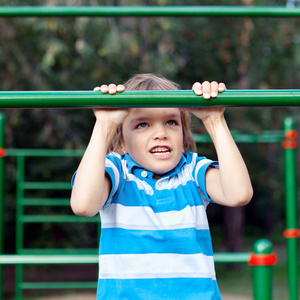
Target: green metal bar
[(45, 152), (60, 251), (291, 208), (242, 257), (57, 219), (46, 201), (2, 134), (264, 137), (47, 185), (59, 285), (182, 98), (262, 273), (148, 11), (38, 259), (19, 225)]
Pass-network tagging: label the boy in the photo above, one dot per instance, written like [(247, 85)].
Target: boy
[(152, 194)]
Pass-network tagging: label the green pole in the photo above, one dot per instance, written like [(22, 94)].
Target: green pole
[(2, 153), (19, 224), (182, 98), (148, 11), (262, 259), (291, 233)]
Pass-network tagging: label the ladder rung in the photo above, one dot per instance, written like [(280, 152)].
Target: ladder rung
[(57, 219)]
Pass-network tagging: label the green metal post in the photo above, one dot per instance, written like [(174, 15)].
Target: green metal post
[(291, 232), (262, 259), (19, 226), (1, 191)]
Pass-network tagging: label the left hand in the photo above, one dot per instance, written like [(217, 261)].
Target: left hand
[(208, 90)]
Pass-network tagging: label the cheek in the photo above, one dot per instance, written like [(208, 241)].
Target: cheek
[(180, 141), (133, 143)]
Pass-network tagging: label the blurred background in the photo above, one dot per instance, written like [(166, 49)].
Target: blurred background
[(43, 54)]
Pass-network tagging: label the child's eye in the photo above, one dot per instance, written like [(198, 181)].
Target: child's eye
[(171, 123), (142, 125)]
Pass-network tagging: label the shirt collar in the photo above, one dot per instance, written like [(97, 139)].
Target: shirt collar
[(136, 169)]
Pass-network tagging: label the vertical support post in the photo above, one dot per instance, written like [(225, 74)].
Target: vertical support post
[(19, 224), (2, 154), (291, 233), (262, 259)]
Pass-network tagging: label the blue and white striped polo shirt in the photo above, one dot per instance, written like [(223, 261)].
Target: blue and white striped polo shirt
[(155, 240)]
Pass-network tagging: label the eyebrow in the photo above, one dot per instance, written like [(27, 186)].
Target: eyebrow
[(141, 119), (138, 120)]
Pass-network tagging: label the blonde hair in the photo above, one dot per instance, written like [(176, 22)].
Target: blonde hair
[(146, 82)]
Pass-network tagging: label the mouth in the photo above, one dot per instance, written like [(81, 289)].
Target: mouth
[(160, 150)]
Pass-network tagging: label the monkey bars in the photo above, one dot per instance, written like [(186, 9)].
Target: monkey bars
[(148, 11), (182, 98)]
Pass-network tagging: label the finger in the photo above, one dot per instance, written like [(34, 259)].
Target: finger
[(120, 88), (197, 88), (184, 108), (97, 89), (104, 88), (214, 89), (112, 88), (206, 89), (222, 87)]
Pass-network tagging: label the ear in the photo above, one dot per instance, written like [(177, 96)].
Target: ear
[(122, 148)]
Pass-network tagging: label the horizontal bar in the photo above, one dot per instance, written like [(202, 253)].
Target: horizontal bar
[(239, 257), (46, 201), (47, 185), (44, 152), (57, 219), (47, 259), (58, 251), (264, 137), (92, 259), (58, 285), (148, 11), (182, 98)]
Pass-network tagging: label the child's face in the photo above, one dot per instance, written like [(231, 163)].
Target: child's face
[(153, 138)]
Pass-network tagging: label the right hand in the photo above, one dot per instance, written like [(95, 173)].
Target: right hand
[(114, 116), (111, 89)]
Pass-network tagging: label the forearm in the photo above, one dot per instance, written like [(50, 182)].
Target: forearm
[(231, 184), (91, 188)]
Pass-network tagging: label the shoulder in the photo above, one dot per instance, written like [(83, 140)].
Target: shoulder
[(114, 157), (194, 162)]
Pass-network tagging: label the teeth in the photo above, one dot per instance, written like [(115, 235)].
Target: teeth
[(160, 150)]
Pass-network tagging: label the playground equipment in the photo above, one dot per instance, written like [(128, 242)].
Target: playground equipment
[(261, 259), (61, 99), (148, 11), (262, 254)]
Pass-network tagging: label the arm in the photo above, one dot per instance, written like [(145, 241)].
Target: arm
[(229, 185), (91, 185)]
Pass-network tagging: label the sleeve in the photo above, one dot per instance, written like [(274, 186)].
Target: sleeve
[(202, 164), (113, 170)]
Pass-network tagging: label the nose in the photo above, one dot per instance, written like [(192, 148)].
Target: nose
[(160, 132)]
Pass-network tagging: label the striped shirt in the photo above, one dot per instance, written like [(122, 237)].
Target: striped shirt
[(155, 239)]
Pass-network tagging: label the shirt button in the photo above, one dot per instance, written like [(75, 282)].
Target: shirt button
[(144, 174)]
